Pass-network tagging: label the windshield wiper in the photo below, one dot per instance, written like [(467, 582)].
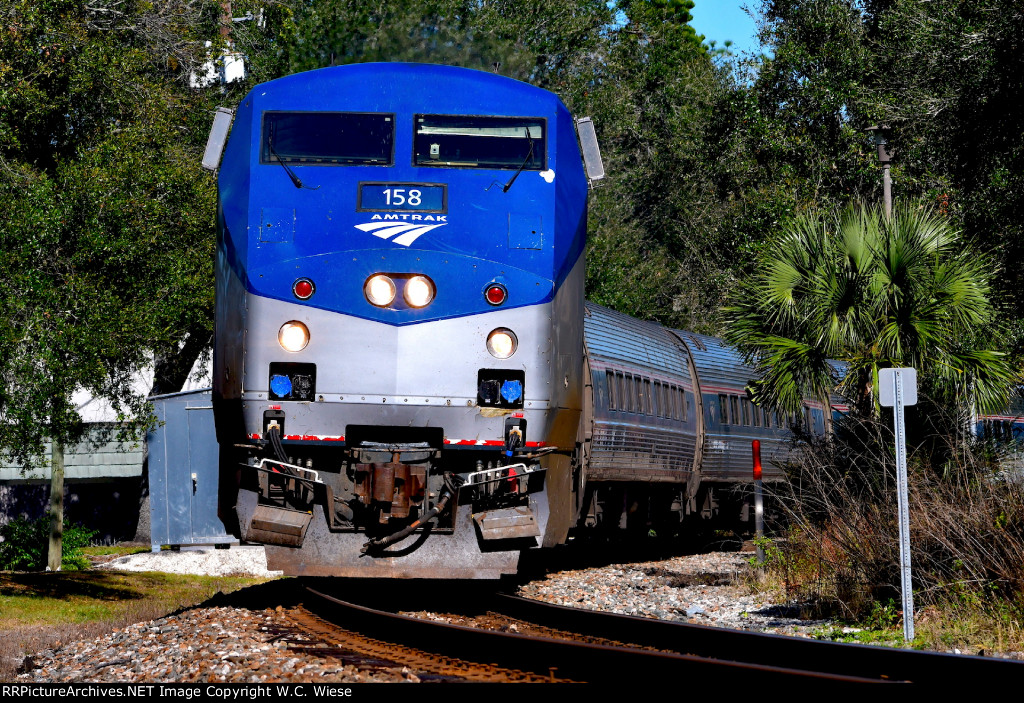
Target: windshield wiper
[(529, 156), (291, 174)]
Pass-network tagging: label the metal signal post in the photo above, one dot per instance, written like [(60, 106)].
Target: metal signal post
[(755, 446), (898, 388)]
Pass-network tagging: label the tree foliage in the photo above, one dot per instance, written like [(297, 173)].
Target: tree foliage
[(944, 76), (106, 252), (665, 233), (870, 292), (24, 543), (949, 76), (806, 119)]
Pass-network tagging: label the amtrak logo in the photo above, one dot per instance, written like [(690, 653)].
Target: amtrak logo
[(408, 228)]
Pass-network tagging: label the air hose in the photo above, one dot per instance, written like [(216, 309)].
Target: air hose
[(451, 486)]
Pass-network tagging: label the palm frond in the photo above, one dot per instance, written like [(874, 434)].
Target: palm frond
[(870, 292)]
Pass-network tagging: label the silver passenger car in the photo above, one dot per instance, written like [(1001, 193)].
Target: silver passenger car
[(670, 422)]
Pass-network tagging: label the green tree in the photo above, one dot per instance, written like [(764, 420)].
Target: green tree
[(871, 292), (108, 258), (946, 76), (949, 77), (808, 116), (536, 41), (664, 238)]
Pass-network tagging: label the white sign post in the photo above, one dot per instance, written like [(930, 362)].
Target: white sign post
[(898, 388)]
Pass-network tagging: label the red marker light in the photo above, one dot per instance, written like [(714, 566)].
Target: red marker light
[(496, 294), (513, 481), (303, 288)]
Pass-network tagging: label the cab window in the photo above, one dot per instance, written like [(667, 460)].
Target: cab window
[(328, 138), (456, 141)]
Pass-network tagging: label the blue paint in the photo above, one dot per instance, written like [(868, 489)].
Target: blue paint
[(479, 237)]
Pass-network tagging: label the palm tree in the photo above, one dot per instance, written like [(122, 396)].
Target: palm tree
[(871, 292)]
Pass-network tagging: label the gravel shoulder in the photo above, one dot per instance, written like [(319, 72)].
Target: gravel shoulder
[(208, 561)]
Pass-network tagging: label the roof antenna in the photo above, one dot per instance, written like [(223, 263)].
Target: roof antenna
[(332, 58)]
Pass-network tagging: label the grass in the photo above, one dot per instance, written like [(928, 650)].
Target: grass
[(972, 628), (942, 630), (957, 620), (885, 638), (839, 541), (44, 610)]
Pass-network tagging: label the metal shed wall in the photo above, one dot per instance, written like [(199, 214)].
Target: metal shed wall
[(183, 475), (96, 457)]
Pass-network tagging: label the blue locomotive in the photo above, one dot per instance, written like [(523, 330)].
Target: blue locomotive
[(402, 384), (398, 358)]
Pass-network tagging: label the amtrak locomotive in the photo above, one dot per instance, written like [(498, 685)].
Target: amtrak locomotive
[(401, 382)]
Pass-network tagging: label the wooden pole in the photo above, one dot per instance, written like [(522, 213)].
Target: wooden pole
[(55, 553), (225, 20)]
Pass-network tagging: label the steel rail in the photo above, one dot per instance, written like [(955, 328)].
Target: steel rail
[(577, 661), (928, 668)]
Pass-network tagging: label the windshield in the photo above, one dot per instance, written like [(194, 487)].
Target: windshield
[(328, 138), (480, 142)]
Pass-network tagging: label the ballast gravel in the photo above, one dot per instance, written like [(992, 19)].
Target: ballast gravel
[(204, 645), (703, 589), (225, 644)]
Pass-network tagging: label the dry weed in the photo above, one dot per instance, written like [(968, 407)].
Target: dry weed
[(966, 529)]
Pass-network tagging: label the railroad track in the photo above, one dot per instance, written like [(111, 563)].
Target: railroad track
[(812, 656), (567, 660), (327, 638)]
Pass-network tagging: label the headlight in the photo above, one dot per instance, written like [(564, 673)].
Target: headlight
[(502, 343), (293, 336), (419, 291), (379, 290)]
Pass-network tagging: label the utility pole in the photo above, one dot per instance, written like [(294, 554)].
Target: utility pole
[(880, 137)]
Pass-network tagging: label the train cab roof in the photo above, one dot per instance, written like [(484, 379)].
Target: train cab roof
[(377, 86)]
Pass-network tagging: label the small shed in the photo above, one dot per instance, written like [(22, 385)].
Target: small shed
[(183, 472)]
